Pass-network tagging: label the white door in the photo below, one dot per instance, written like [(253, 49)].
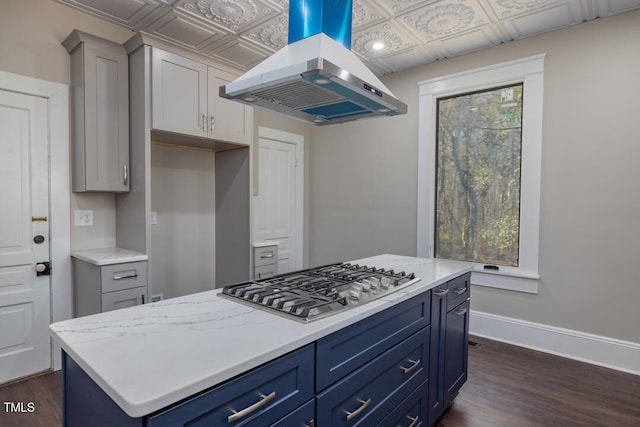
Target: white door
[(24, 214), (275, 213)]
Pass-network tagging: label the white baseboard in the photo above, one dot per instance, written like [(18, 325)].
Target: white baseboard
[(598, 350)]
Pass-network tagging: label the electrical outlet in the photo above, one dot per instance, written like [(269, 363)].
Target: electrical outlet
[(156, 297), (154, 217), (82, 218)]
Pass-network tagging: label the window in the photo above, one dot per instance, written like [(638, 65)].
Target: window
[(479, 171)]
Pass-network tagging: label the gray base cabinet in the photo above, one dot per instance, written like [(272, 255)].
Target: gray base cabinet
[(108, 287), (377, 372)]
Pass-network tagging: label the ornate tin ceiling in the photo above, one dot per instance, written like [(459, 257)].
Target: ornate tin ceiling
[(388, 35)]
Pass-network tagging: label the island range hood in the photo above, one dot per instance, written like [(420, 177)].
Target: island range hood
[(316, 78)]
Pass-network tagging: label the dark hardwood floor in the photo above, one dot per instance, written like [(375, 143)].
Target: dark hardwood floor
[(507, 386)]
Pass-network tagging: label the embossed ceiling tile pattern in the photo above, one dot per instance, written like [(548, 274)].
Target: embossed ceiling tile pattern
[(244, 32), (446, 18), (366, 13), (183, 30), (466, 42), (398, 7), (393, 38), (403, 60), (551, 16), (240, 52), (127, 13), (607, 8), (233, 15), (272, 35)]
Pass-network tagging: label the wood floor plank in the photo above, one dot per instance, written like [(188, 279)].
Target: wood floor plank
[(507, 386)]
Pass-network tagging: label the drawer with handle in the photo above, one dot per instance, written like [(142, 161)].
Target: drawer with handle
[(412, 412), (265, 255), (459, 290), (117, 277), (258, 398), (366, 396), (344, 351)]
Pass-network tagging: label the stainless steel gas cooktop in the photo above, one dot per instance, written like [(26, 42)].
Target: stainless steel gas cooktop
[(315, 293)]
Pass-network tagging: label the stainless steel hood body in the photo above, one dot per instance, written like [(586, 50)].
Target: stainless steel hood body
[(317, 80)]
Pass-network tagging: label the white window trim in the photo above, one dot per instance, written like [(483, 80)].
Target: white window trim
[(529, 71)]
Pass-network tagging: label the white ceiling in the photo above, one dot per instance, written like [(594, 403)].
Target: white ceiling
[(415, 32)]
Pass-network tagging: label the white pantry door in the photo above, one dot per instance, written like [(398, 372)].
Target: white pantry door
[(275, 213), (24, 214)]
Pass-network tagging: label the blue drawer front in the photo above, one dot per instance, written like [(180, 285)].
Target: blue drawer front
[(301, 417), (412, 411), (384, 383), (459, 291), (289, 377), (344, 351)]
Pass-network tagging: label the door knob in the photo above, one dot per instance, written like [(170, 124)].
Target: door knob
[(38, 239), (43, 268)]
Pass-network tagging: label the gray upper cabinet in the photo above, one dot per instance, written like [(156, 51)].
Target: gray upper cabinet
[(185, 100), (100, 113)]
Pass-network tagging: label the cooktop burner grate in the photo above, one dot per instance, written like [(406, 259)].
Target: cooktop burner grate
[(315, 293)]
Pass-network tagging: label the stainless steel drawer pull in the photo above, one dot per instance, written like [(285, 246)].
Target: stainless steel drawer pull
[(125, 174), (266, 255), (249, 409), (460, 291), (414, 421), (441, 293), (411, 368), (352, 415), (126, 276), (461, 312)]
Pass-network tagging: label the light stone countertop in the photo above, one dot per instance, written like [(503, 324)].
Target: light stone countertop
[(108, 256), (150, 356)]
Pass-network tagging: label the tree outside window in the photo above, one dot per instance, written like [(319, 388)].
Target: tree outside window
[(478, 158)]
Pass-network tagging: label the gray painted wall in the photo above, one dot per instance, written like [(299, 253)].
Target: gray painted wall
[(363, 179)]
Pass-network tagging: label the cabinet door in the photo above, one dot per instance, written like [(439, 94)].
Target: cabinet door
[(123, 299), (179, 94), (456, 350), (106, 122), (437, 357), (229, 121)]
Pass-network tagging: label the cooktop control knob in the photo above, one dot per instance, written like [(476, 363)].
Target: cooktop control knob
[(355, 291)]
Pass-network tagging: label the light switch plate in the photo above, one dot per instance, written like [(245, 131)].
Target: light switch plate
[(82, 218)]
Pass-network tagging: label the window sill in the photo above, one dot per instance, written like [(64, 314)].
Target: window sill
[(519, 283)]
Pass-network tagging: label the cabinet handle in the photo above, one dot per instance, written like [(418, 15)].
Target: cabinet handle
[(267, 255), (460, 291), (352, 415), (411, 368), (249, 409), (125, 174), (312, 423), (460, 312), (414, 421), (441, 293), (142, 295), (204, 123), (126, 276), (213, 123)]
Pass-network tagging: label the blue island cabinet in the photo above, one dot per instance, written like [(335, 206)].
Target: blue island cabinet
[(401, 366)]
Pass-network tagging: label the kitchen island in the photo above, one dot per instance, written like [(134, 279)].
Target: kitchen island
[(161, 363)]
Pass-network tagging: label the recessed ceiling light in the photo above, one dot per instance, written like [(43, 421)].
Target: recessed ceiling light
[(378, 46)]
